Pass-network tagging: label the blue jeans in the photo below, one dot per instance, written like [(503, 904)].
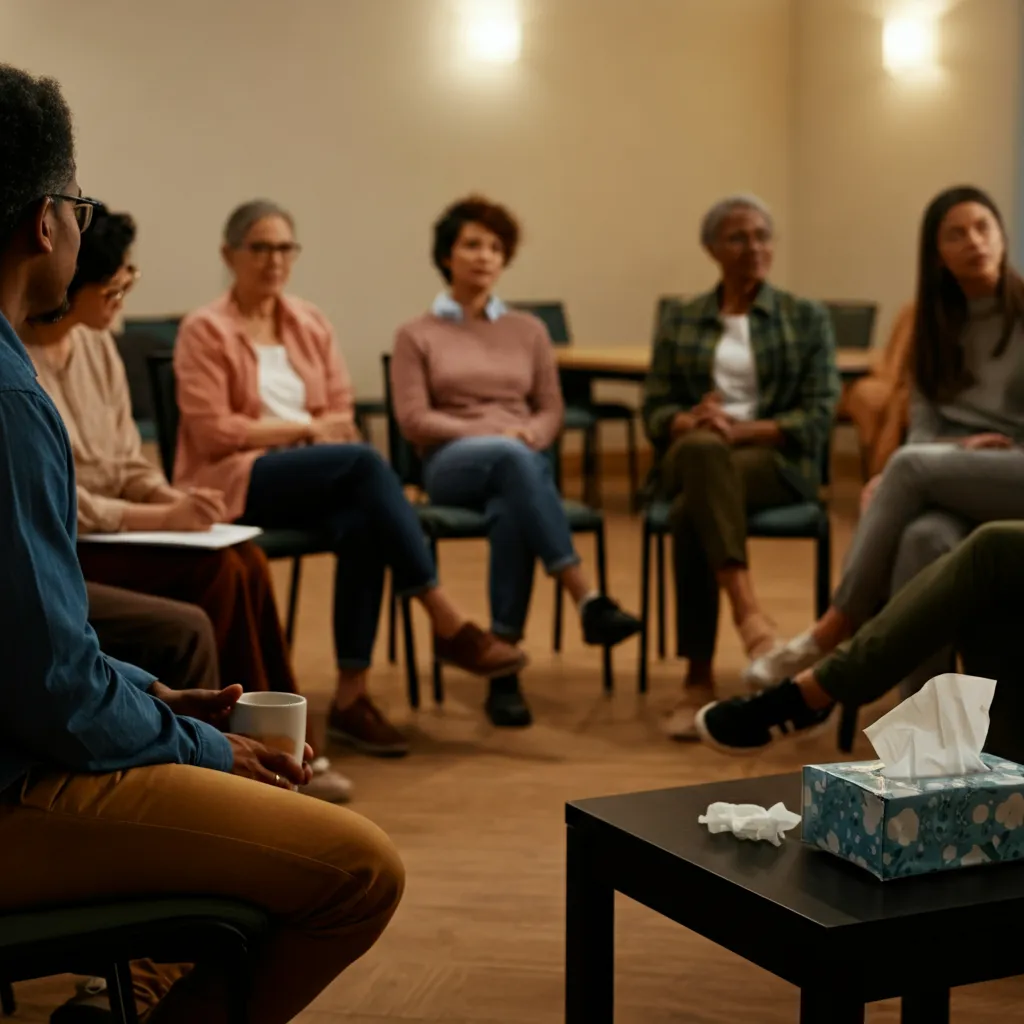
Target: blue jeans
[(351, 494), (515, 488)]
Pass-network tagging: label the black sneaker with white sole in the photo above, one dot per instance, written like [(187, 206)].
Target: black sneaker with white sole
[(605, 623), (747, 725)]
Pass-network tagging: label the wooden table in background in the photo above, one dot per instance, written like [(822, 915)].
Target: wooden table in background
[(630, 362)]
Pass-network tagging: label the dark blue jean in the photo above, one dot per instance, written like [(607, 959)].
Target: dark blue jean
[(515, 488), (349, 492)]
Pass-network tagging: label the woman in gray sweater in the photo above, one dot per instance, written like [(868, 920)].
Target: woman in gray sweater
[(963, 463)]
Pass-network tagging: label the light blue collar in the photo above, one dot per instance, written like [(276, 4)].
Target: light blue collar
[(448, 309)]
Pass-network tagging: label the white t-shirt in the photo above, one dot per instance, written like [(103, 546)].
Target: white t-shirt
[(282, 392), (734, 371)]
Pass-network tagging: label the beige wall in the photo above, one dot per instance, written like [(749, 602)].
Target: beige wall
[(622, 122), (870, 151)]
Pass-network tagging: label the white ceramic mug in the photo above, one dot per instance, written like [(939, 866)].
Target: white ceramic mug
[(277, 720)]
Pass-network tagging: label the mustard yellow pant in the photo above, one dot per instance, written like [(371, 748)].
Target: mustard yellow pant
[(329, 879)]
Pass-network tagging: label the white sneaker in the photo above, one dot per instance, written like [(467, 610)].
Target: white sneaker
[(327, 784), (783, 662)]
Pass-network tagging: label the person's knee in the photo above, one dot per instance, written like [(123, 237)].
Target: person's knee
[(518, 464), (364, 854), (913, 462), (698, 446), (992, 539), (926, 539), (195, 650)]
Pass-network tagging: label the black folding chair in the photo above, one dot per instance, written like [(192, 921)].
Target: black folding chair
[(101, 940), (293, 544)]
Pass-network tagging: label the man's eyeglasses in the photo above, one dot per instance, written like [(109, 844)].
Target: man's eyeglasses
[(116, 292), (265, 250), (81, 206)]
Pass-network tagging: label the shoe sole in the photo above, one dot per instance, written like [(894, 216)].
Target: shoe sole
[(495, 673), (775, 741), (363, 747), (615, 640)]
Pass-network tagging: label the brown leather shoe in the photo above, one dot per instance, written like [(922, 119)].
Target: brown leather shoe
[(363, 727), (480, 653)]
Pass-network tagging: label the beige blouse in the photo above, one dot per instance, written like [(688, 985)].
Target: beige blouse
[(91, 395)]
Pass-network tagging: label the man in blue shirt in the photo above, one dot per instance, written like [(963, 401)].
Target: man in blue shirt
[(113, 786)]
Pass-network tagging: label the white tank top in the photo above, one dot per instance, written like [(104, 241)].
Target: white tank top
[(282, 392)]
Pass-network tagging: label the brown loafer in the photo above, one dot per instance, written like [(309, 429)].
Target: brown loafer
[(479, 653), (363, 727)]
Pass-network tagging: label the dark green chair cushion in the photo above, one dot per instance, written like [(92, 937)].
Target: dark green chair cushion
[(289, 543), (92, 922), (578, 417), (447, 522), (805, 519)]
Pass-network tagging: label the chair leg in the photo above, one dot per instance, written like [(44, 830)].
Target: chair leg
[(556, 639), (608, 679), (7, 1003), (412, 676), (645, 607), (847, 727), (392, 622), (438, 679), (121, 994), (823, 571), (634, 468), (659, 551), (591, 477), (293, 601)]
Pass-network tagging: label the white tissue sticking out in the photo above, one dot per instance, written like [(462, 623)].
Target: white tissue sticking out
[(749, 821), (938, 731)]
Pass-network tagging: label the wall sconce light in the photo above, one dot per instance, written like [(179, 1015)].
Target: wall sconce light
[(909, 45), (493, 31)]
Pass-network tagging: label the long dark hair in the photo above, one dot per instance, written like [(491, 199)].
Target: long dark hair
[(941, 311)]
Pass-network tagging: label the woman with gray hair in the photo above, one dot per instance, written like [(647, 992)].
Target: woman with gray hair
[(267, 418), (738, 404)]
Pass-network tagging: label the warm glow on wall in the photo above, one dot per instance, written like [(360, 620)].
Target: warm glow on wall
[(910, 44), (493, 32)]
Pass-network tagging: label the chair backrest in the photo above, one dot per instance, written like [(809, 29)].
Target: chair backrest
[(140, 337), (853, 322), (165, 406), (404, 459), (554, 316)]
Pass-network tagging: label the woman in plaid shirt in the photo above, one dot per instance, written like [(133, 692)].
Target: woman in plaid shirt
[(738, 403)]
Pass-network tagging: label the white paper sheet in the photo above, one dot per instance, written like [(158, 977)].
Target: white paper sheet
[(220, 535)]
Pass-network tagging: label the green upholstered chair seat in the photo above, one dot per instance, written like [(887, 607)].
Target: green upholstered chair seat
[(94, 922), (800, 520), (292, 543), (579, 417), (448, 522)]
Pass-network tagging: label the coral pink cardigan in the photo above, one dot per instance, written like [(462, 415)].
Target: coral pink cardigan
[(218, 393)]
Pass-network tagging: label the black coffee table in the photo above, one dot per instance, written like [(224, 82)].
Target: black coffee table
[(843, 937)]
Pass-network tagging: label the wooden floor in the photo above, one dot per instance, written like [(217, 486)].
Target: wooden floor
[(477, 814)]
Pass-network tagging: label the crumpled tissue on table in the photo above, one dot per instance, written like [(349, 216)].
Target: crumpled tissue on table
[(750, 821)]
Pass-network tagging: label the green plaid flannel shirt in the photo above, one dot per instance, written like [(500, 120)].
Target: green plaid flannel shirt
[(797, 380)]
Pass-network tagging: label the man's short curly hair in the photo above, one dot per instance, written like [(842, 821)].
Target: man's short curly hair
[(37, 145), (473, 210), (104, 248)]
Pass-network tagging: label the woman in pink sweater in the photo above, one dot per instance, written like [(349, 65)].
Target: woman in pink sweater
[(475, 388), (267, 417)]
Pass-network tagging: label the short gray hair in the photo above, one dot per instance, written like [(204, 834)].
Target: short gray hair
[(713, 218), (243, 217)]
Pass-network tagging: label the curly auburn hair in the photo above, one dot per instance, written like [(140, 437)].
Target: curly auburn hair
[(474, 209)]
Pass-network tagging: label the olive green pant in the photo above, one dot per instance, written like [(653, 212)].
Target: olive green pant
[(713, 487), (971, 598)]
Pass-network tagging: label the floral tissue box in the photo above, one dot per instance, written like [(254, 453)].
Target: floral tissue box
[(900, 827)]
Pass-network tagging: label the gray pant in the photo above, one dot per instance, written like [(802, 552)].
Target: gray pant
[(930, 497)]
